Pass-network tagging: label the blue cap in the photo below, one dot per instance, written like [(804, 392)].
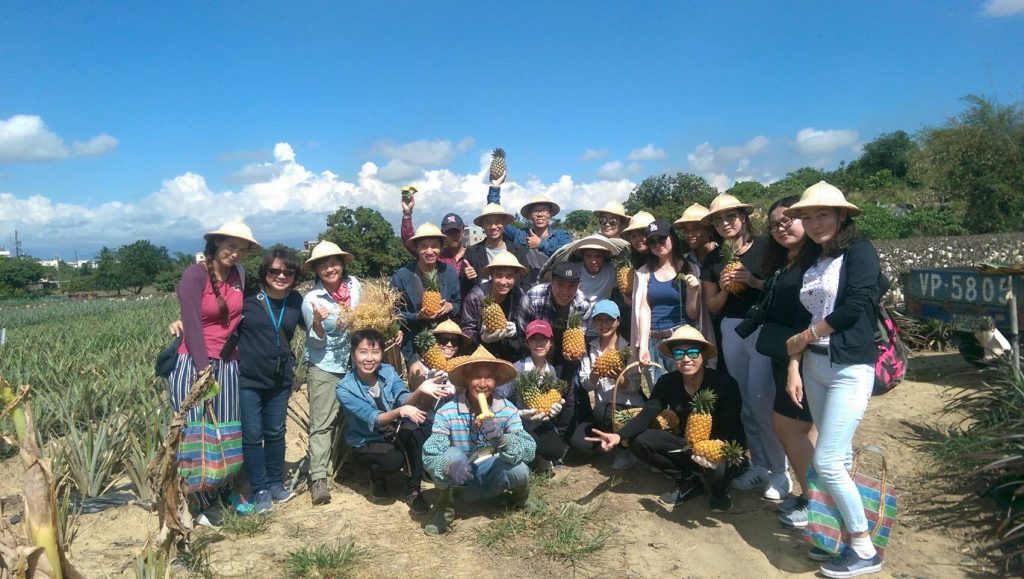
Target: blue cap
[(606, 307)]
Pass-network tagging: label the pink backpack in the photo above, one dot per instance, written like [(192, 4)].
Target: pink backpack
[(891, 366)]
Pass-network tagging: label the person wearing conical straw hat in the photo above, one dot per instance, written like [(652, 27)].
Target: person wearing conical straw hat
[(675, 391), (327, 354), (730, 289), (211, 300), (453, 251), (503, 287), (540, 239), (477, 445), (833, 360), (612, 218), (411, 279), (598, 278), (492, 220), (636, 234), (696, 233)]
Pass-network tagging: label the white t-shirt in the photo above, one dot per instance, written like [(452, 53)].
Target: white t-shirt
[(819, 290)]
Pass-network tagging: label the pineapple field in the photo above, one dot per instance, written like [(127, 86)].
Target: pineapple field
[(101, 414)]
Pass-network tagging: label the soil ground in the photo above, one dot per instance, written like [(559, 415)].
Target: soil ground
[(648, 539)]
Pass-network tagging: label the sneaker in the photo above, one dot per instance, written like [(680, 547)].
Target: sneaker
[(789, 503), (722, 504), (263, 501), (211, 517), (378, 489), (542, 466), (849, 564), (819, 554), (797, 518), (320, 492), (417, 504), (281, 493), (778, 487), (684, 490), (753, 478), (624, 459)]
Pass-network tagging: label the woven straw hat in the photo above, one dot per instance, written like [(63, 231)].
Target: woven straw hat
[(504, 371), (448, 327), (596, 241), (694, 214), (687, 333), (822, 194), (494, 209), (425, 231), (234, 229), (505, 259), (613, 208), (725, 202), (639, 222), (327, 249), (525, 211)]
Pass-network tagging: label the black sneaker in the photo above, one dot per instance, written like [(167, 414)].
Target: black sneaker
[(417, 504), (722, 504), (684, 490), (378, 489)]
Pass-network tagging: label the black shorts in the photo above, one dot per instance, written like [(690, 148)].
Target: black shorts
[(783, 405)]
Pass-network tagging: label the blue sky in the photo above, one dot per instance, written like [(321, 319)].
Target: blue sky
[(121, 121)]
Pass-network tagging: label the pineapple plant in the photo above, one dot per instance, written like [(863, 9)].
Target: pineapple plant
[(497, 163), (493, 317), (431, 303), (730, 255), (539, 390), (611, 363), (698, 424), (624, 273), (407, 192), (716, 451), (574, 344), (431, 353)]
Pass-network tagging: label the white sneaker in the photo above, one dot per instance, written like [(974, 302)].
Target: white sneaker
[(624, 459), (779, 485), (754, 477)]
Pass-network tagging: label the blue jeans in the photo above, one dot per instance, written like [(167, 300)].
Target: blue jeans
[(668, 362), (263, 424), (838, 395), (493, 476)]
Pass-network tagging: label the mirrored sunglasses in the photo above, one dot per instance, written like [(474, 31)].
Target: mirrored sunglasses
[(691, 353)]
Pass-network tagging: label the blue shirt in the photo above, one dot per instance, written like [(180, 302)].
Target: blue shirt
[(361, 410), (665, 299), (330, 353)]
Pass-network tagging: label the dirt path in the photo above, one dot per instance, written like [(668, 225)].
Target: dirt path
[(649, 540)]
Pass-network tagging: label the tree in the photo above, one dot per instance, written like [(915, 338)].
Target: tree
[(139, 264), (17, 273), (108, 274), (581, 220), (666, 196), (747, 191), (892, 152), (365, 233)]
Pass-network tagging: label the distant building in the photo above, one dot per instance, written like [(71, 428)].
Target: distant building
[(82, 263), (5, 253), (474, 234), (49, 262)]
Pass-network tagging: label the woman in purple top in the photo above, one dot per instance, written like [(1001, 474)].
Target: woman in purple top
[(210, 295)]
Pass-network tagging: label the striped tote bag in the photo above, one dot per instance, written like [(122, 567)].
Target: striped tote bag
[(210, 452)]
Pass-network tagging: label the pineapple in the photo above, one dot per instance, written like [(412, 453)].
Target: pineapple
[(431, 303), (539, 390), (456, 361), (732, 263), (493, 317), (497, 163), (610, 364), (624, 273), (698, 424), (667, 420), (574, 344), (431, 353), (407, 192), (716, 451), (623, 416)]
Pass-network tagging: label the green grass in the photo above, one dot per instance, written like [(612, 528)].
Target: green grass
[(327, 561), (246, 525)]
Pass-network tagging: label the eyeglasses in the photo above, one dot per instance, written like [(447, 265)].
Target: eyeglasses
[(726, 217), (276, 272), (609, 221), (781, 224), (447, 340), (691, 353)]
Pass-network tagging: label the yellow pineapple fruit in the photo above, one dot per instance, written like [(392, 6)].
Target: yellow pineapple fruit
[(698, 424), (732, 263), (709, 450), (497, 163), (494, 318), (574, 344), (407, 192), (430, 352), (624, 273), (539, 390), (431, 303), (611, 363)]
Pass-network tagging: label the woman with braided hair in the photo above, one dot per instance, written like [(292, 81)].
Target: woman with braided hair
[(210, 296)]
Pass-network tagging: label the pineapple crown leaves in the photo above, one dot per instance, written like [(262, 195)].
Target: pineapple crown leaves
[(488, 301), (704, 401), (538, 381), (732, 453), (623, 259), (575, 320), (498, 153), (730, 250), (431, 281), (424, 340)]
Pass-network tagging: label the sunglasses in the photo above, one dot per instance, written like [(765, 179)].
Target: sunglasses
[(277, 272), (691, 353), (781, 225), (609, 221), (661, 240), (447, 340)]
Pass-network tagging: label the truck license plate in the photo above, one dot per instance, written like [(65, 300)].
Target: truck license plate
[(964, 323)]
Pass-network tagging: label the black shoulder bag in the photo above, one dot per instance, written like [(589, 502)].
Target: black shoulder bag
[(772, 340)]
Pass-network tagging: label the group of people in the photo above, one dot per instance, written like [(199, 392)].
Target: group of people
[(686, 318)]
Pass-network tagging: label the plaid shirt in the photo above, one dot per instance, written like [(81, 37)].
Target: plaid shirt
[(539, 304)]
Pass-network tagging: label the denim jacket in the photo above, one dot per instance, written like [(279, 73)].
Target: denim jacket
[(361, 411), (330, 353)]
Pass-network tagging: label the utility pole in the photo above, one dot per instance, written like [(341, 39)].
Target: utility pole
[(17, 244), (58, 270)]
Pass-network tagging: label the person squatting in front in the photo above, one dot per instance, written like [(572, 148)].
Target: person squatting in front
[(670, 452), (478, 449)]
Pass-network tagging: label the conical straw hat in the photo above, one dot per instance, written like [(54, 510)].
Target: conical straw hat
[(504, 371), (425, 231), (639, 222), (448, 327), (694, 214), (234, 229), (494, 209), (505, 259), (525, 211), (327, 249), (613, 208), (687, 333), (822, 194)]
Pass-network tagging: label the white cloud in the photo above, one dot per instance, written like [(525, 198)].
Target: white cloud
[(26, 138), (614, 170), (705, 158), (1000, 8), (811, 142), (422, 153), (593, 154), (647, 153)]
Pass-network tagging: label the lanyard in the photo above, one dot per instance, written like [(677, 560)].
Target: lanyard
[(277, 323)]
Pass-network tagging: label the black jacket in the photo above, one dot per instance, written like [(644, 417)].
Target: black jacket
[(854, 318), (476, 255), (669, 394)]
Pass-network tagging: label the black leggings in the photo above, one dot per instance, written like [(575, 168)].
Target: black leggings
[(550, 445), (383, 458), (667, 451)]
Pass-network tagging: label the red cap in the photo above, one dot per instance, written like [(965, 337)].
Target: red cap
[(538, 327)]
